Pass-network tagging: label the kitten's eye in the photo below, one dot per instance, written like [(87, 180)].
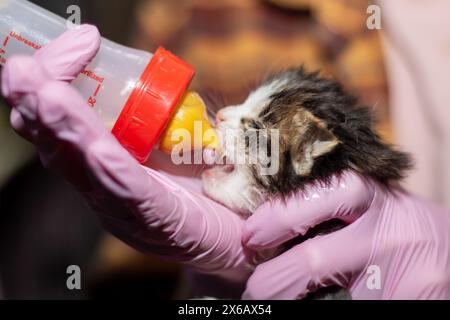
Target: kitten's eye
[(250, 124)]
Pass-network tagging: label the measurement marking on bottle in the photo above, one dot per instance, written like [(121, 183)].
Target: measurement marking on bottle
[(91, 101), (3, 51), (93, 76), (6, 41), (97, 90), (27, 42)]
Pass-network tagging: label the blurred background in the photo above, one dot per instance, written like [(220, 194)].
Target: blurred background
[(401, 72)]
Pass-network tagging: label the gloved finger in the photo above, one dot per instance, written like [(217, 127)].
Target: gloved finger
[(66, 56), (346, 198), (318, 262)]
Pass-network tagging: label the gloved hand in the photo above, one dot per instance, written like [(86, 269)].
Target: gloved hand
[(395, 246), (141, 206)]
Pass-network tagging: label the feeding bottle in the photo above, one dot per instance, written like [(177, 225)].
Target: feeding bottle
[(141, 97)]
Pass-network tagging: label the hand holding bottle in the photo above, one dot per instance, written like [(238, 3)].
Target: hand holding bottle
[(139, 205)]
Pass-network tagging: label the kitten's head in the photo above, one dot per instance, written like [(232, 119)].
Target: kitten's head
[(320, 132)]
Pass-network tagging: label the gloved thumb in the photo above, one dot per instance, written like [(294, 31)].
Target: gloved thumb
[(333, 259), (65, 57), (345, 198)]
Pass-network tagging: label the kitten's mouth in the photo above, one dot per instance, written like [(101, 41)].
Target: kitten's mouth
[(218, 171), (222, 163), (222, 166), (226, 168)]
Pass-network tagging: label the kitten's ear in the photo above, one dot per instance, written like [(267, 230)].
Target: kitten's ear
[(315, 142), (319, 147)]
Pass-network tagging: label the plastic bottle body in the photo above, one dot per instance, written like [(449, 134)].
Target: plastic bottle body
[(106, 83)]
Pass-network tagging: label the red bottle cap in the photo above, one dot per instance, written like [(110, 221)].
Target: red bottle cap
[(152, 103)]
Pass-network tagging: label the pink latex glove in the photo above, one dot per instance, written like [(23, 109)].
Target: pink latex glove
[(141, 206), (405, 238)]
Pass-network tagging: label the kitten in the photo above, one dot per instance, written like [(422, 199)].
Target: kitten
[(321, 132)]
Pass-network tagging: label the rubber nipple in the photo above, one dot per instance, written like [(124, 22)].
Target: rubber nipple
[(189, 119)]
